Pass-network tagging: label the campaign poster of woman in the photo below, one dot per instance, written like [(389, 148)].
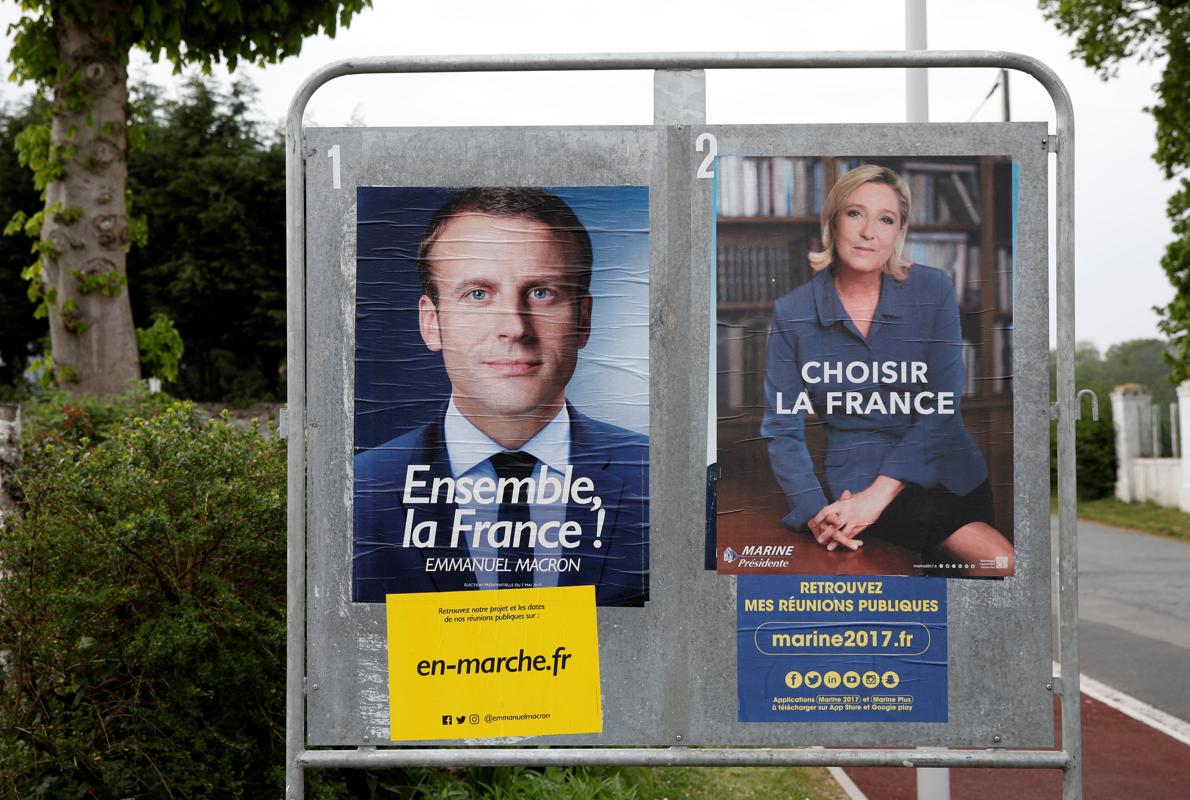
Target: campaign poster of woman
[(864, 362)]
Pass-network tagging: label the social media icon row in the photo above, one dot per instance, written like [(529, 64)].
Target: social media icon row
[(459, 719), (814, 679)]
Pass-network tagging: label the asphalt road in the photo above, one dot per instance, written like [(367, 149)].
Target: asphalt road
[(1134, 615), (1134, 636)]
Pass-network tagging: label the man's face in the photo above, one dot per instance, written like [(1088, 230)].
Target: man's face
[(509, 321)]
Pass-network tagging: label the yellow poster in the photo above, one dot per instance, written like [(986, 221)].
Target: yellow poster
[(474, 665)]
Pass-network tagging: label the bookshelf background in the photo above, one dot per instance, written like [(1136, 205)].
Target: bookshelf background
[(768, 222)]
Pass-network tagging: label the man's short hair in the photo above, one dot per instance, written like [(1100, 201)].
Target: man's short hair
[(530, 202)]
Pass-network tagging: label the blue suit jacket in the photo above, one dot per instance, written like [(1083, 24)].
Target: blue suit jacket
[(916, 319), (615, 459)]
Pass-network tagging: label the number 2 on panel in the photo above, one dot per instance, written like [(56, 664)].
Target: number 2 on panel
[(712, 147), (334, 156)]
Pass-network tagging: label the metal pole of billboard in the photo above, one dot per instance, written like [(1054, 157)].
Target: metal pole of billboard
[(295, 431), (1005, 105), (1063, 145), (917, 86), (1068, 758), (933, 783)]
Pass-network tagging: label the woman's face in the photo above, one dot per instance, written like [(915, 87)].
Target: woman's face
[(867, 227)]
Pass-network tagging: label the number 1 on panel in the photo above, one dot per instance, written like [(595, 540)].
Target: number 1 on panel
[(334, 156)]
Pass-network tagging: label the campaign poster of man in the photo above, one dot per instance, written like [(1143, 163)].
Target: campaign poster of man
[(864, 365), (502, 390)]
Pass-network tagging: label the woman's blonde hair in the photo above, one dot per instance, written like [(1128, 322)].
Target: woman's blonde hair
[(897, 266)]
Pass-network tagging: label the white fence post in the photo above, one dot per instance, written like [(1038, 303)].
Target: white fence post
[(1175, 431), (1132, 417), (1155, 429), (1182, 435)]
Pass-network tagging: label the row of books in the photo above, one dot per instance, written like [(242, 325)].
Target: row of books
[(1004, 278), (761, 273), (770, 186), (940, 192), (950, 251), (1000, 379), (740, 357), (1002, 359), (785, 186), (971, 363)]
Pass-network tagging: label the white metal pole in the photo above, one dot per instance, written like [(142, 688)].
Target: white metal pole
[(932, 783), (1005, 105), (917, 89)]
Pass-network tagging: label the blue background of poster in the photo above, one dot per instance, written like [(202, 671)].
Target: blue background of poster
[(401, 385), (761, 676)]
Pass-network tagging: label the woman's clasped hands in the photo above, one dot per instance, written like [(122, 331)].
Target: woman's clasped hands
[(840, 523)]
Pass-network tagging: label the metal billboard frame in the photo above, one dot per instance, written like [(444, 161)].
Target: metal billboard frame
[(680, 99)]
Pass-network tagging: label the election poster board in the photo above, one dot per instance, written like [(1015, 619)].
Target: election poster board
[(492, 451), (864, 382), (370, 377), (667, 661)]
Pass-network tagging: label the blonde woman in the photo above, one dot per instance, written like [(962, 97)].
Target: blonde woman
[(872, 344)]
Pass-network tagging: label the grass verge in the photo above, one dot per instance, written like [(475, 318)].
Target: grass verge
[(1144, 517), (586, 783), (739, 783)]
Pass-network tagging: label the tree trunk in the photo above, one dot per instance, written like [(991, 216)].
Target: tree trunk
[(10, 457), (92, 335)]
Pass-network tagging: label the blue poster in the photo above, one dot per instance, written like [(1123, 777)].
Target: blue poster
[(501, 390), (812, 648)]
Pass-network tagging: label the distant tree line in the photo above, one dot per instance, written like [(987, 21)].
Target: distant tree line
[(1137, 361), (208, 182), (1107, 33), (19, 331)]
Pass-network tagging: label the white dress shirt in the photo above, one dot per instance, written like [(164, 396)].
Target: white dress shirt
[(470, 449)]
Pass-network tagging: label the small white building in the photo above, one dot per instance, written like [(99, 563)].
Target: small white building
[(1141, 473)]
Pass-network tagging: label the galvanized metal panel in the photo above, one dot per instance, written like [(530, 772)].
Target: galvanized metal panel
[(669, 673), (347, 692), (999, 631), (1061, 143), (669, 668)]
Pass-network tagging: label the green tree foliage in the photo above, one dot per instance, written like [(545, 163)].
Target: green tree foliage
[(211, 185), (1095, 451), (161, 348), (1136, 361), (142, 621), (85, 420), (76, 52), (141, 613), (185, 32), (1107, 32), (19, 331)]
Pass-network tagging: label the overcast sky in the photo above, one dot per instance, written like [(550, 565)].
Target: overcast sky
[(1121, 225)]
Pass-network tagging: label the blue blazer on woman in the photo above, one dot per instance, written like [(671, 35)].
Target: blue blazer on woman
[(916, 320)]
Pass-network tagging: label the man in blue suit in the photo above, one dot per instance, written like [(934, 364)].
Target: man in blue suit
[(510, 485)]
